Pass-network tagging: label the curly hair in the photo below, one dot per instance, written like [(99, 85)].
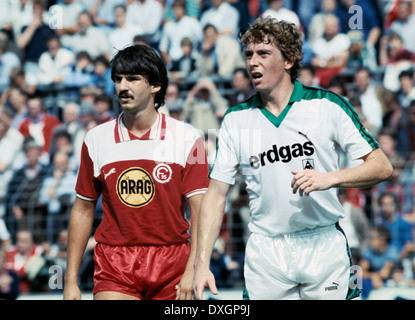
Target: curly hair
[(285, 35)]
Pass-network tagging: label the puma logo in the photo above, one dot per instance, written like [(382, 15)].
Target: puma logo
[(109, 173)]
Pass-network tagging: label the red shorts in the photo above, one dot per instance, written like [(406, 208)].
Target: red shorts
[(147, 272)]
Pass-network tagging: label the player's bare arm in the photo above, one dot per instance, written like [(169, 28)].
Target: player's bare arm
[(184, 289), (374, 169), (80, 226), (210, 220)]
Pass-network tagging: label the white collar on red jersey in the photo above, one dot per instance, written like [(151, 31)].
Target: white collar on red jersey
[(156, 132)]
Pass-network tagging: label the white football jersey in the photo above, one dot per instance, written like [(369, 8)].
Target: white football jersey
[(312, 132)]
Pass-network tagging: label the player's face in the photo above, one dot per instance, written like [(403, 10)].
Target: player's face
[(266, 65), (134, 92)]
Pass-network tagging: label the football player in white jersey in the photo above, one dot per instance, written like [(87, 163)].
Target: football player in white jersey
[(287, 140)]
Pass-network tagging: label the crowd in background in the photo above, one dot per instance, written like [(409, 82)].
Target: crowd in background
[(55, 85)]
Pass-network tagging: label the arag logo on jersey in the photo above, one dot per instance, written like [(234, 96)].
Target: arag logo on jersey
[(135, 187)]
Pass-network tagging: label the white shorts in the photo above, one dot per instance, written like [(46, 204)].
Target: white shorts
[(312, 264)]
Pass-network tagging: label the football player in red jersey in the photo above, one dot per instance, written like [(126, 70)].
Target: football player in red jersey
[(146, 166)]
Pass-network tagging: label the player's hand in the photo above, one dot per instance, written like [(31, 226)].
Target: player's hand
[(307, 181), (184, 288), (71, 292), (204, 278)]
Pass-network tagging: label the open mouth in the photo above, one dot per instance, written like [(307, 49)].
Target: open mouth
[(256, 75)]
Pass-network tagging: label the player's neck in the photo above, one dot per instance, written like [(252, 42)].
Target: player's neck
[(140, 122), (277, 99)]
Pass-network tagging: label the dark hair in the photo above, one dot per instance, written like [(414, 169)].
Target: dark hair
[(142, 60)]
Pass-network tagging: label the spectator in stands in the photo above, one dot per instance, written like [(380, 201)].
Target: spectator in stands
[(242, 85), (55, 62), (88, 38), (404, 25), (391, 218), (187, 64), (9, 280), (12, 141), (222, 265), (33, 40), (71, 123), (316, 26), (355, 225), (62, 142), (23, 210), (5, 21), (102, 12), (223, 16), (361, 53), (19, 256), (103, 105), (331, 51), (308, 77), (220, 54), (370, 23), (20, 14), (406, 134), (395, 58), (192, 9), (397, 185), (174, 31), (278, 11), (38, 124), (81, 72), (101, 76), (377, 260), (369, 95), (70, 10), (392, 112), (173, 101), (124, 31), (15, 99), (57, 253), (58, 194), (406, 92), (5, 237), (204, 106), (148, 15), (8, 60), (18, 79)]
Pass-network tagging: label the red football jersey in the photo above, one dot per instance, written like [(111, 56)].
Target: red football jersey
[(144, 181)]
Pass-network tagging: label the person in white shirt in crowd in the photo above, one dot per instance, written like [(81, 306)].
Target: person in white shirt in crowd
[(331, 51), (55, 62), (8, 60), (12, 141), (124, 32), (405, 24), (369, 97), (223, 16), (88, 38), (68, 11), (102, 12), (220, 54), (277, 10), (175, 31), (148, 15)]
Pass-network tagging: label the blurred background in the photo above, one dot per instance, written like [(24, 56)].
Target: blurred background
[(55, 86)]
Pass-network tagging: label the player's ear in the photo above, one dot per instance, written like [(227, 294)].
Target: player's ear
[(288, 64), (155, 88)]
